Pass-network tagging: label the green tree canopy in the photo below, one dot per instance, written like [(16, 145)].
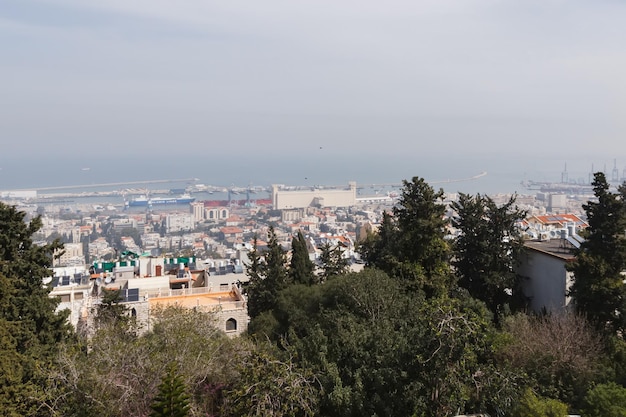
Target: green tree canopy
[(115, 377), (598, 288), (380, 350), (332, 261), (606, 400), (172, 399), (301, 268), (411, 244), (487, 250), (30, 329), (531, 405), (267, 272), (269, 385)]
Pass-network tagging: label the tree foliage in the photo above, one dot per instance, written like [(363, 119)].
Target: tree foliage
[(420, 216), (301, 268), (598, 289), (531, 405), (268, 385), (30, 329), (110, 311), (332, 261), (487, 250), (605, 400), (379, 350), (171, 399), (116, 375), (267, 274), (410, 244), (561, 354)]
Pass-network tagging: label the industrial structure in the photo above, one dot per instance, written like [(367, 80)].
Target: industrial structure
[(303, 197)]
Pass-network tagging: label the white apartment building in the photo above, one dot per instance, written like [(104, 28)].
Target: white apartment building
[(179, 222)]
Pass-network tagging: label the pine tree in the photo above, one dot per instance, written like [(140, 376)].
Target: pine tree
[(110, 311), (379, 248), (172, 400), (598, 288), (30, 329), (301, 268), (487, 250), (420, 216), (333, 262), (419, 244)]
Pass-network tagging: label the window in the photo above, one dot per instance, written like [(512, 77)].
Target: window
[(231, 325)]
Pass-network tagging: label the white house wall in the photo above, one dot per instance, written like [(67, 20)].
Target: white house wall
[(547, 281)]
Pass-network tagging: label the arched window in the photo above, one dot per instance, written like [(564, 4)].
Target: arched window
[(211, 213), (231, 325), (133, 313), (224, 214)]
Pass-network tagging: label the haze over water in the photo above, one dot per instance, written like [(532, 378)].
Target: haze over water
[(504, 175)]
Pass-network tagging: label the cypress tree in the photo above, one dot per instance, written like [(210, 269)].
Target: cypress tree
[(258, 296), (301, 268), (267, 274)]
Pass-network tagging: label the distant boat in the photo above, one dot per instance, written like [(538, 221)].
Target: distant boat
[(85, 169), (143, 201)]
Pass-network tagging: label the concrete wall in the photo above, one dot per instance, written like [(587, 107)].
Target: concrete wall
[(547, 281)]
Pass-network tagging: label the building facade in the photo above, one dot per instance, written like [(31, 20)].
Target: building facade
[(299, 198)]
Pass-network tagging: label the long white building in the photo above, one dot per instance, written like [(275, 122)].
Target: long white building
[(303, 197)]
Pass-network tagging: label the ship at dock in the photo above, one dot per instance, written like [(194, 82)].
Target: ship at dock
[(145, 201)]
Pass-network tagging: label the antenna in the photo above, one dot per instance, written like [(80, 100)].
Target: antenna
[(564, 177)]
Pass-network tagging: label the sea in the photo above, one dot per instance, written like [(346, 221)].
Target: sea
[(485, 174)]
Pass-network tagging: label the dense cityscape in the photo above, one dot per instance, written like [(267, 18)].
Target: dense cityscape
[(160, 250), (313, 208)]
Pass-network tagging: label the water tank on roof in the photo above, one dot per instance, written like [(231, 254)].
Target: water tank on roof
[(571, 229)]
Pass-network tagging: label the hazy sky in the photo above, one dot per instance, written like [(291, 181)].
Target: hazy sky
[(465, 77)]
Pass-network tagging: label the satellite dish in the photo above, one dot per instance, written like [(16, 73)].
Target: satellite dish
[(107, 280)]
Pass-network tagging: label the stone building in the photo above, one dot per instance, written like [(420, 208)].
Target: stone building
[(156, 284)]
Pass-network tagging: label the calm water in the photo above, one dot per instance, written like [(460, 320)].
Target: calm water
[(504, 175)]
